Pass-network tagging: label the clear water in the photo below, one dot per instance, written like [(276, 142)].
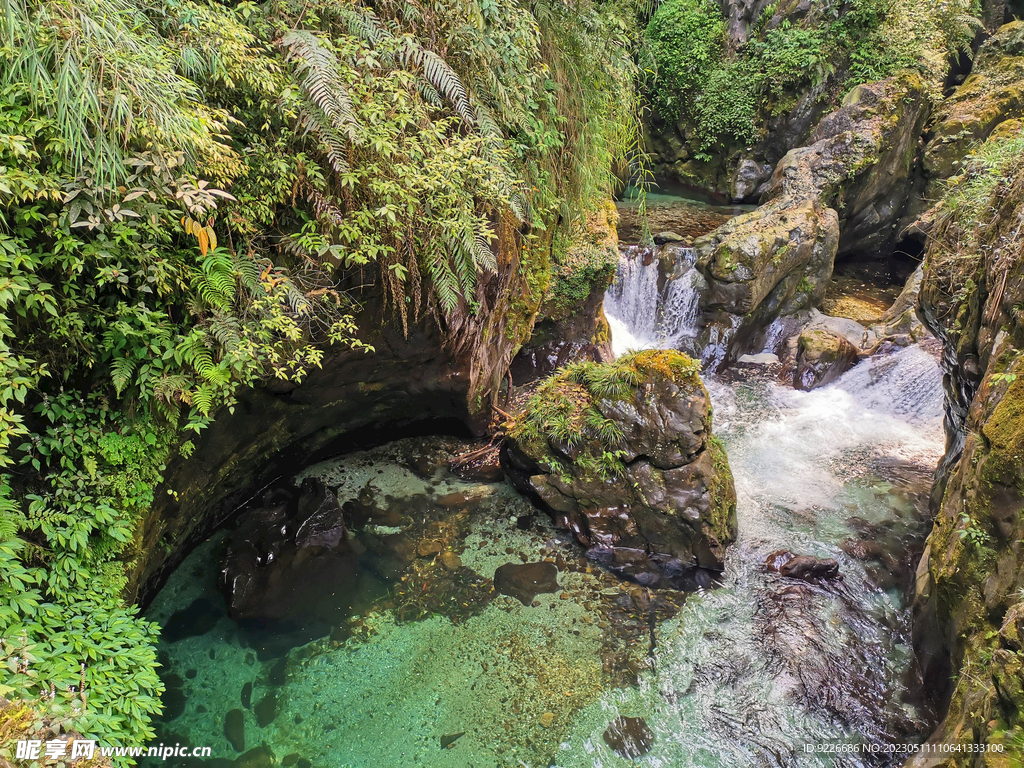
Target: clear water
[(744, 675)]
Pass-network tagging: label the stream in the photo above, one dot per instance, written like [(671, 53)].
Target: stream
[(435, 668)]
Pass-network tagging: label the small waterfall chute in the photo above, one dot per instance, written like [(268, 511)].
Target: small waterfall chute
[(654, 301)]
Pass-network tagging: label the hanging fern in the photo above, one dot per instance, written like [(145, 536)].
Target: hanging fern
[(328, 112)]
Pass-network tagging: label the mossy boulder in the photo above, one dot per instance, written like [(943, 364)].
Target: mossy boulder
[(622, 455), (570, 324), (844, 192)]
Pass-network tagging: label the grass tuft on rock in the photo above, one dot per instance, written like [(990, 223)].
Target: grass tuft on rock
[(563, 410)]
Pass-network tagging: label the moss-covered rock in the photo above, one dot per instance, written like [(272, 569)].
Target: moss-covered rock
[(969, 584), (992, 94), (570, 323), (844, 192), (622, 454), (822, 357)]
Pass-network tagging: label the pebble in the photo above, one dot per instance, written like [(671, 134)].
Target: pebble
[(547, 718)]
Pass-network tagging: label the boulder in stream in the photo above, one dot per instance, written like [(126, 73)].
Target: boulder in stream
[(622, 455), (803, 567), (629, 737), (822, 357)]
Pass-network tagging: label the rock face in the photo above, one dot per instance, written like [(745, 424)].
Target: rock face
[(969, 601), (990, 96), (570, 324), (622, 454), (449, 375), (778, 259)]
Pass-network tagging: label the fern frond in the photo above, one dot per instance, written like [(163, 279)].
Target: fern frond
[(441, 76), (322, 83), (123, 368)]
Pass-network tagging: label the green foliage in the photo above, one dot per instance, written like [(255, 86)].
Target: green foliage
[(971, 532), (727, 97), (687, 39), (967, 222), (184, 189)]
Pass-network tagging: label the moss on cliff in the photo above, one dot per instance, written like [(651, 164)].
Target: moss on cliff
[(971, 578)]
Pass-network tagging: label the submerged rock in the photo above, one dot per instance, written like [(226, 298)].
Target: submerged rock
[(449, 739), (804, 567), (266, 710), (234, 729), (524, 582), (173, 697), (197, 619), (260, 757), (280, 548), (629, 737), (633, 472)]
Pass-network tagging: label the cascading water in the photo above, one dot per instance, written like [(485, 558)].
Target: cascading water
[(644, 282), (750, 673)]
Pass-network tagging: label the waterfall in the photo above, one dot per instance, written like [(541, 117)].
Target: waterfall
[(654, 302)]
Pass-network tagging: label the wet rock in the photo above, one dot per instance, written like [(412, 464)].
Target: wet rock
[(234, 729), (629, 737), (804, 567), (260, 757), (822, 357), (429, 548), (201, 615), (671, 509), (449, 739), (366, 509), (290, 759), (247, 695), (526, 581), (266, 710), (295, 539), (485, 468), (547, 719), (668, 237), (777, 260)]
